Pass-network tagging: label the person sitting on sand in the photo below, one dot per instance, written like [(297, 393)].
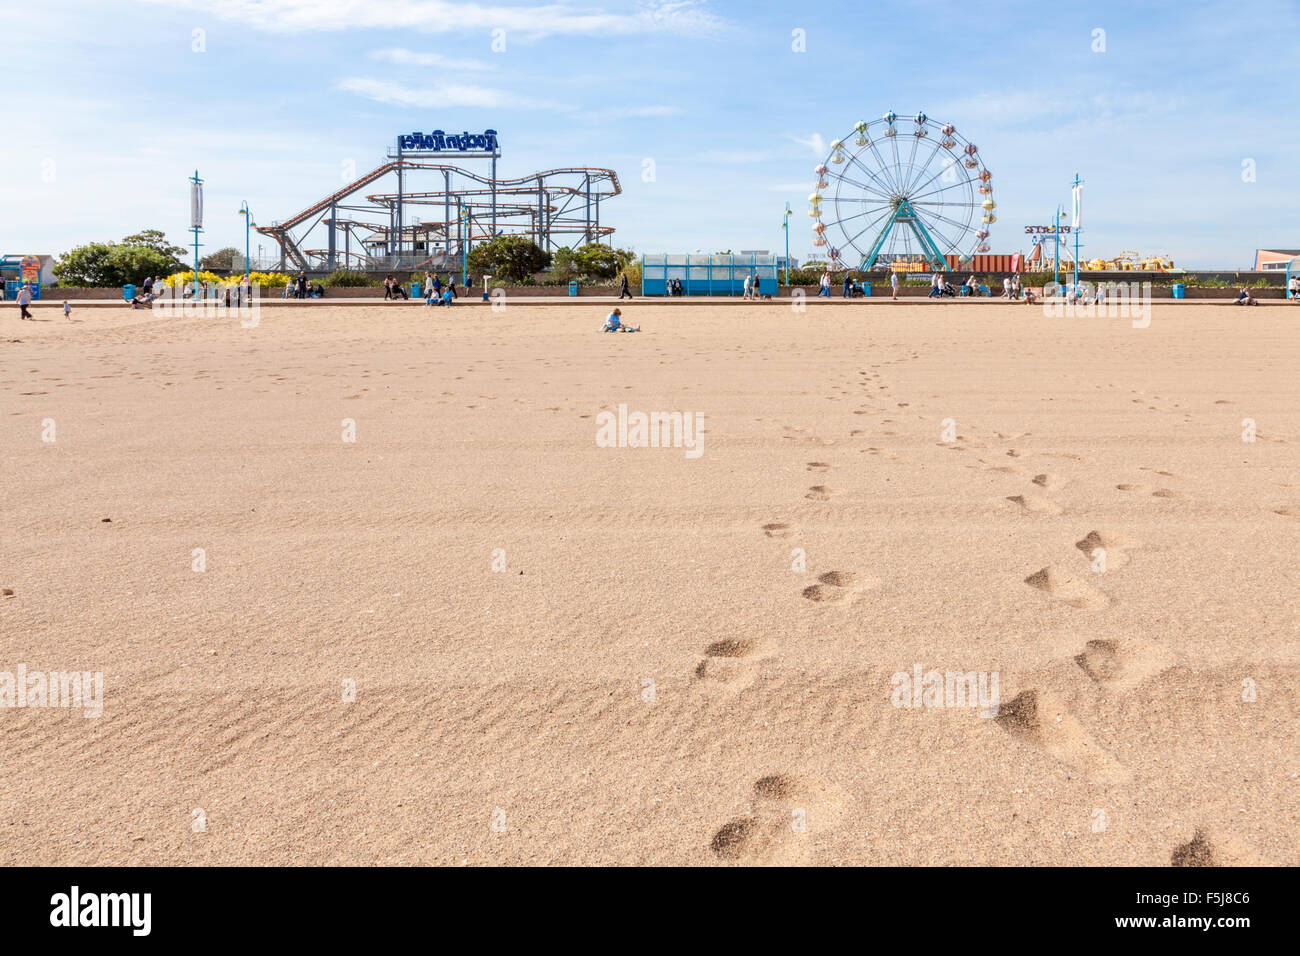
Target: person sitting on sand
[(1030, 298), (447, 296), (1245, 298), (614, 323)]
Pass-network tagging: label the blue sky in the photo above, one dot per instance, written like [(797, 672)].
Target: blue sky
[(110, 108)]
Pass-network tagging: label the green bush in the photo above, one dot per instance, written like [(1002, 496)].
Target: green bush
[(508, 258), (346, 279)]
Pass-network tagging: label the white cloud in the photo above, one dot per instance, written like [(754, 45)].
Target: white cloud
[(690, 17), (463, 94), (403, 57), (813, 142), (1014, 106), (620, 112), (735, 156), (441, 95)]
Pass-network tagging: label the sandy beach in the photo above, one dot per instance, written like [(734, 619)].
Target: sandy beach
[(475, 635)]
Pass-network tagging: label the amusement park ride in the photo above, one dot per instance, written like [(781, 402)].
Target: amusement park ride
[(912, 195), (378, 230)]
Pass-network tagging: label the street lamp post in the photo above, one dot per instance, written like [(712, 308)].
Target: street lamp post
[(464, 245), (248, 222), (785, 227)]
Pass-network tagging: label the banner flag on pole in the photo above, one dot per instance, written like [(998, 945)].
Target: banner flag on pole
[(1074, 223)]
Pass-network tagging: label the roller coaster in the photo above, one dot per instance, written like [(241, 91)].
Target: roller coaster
[(370, 231)]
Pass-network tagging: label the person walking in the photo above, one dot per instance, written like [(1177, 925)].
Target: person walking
[(24, 300), (936, 289), (388, 287), (624, 289), (749, 285), (825, 285), (893, 283)]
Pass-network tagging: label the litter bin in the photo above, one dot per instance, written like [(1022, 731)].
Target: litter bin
[(866, 289), (128, 292), (415, 290), (573, 288), (1178, 290)]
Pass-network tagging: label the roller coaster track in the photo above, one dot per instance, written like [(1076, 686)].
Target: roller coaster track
[(596, 184)]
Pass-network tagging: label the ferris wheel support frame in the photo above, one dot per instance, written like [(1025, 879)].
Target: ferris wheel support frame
[(906, 214)]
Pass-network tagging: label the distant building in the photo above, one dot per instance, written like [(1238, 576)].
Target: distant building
[(1268, 260)]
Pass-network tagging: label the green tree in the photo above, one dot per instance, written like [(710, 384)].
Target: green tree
[(155, 239), (223, 260), (565, 266), (107, 265), (85, 265), (511, 258), (596, 261)]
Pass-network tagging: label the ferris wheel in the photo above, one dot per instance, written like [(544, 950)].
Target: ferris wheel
[(911, 191)]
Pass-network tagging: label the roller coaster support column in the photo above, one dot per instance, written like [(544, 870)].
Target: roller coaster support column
[(333, 255), (395, 247)]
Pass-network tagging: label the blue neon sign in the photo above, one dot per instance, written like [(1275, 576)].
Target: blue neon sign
[(437, 141)]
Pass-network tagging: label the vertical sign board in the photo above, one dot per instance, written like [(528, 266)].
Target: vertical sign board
[(29, 269)]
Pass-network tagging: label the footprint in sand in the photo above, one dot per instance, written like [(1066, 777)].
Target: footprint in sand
[(1207, 848), (821, 492), (838, 587), (730, 664), (1036, 503), (1068, 587), (1290, 511), (1114, 546), (1165, 474), (1041, 719), (1123, 665), (819, 466), (1169, 493), (787, 813), (1128, 487), (779, 529), (1046, 480)]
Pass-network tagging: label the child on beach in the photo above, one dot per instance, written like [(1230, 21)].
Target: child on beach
[(614, 323), (67, 310)]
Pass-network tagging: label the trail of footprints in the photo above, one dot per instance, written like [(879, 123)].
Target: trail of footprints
[(784, 807)]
